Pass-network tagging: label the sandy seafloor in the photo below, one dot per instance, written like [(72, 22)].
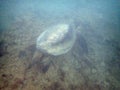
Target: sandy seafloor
[(92, 64)]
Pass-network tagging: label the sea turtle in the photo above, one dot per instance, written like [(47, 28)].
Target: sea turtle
[(54, 41)]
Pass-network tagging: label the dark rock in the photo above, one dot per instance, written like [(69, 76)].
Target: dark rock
[(56, 86), (80, 48), (83, 44), (43, 67), (4, 75), (62, 74), (73, 87), (3, 48), (22, 54), (31, 48), (115, 69)]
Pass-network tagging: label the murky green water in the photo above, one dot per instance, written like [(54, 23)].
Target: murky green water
[(93, 63)]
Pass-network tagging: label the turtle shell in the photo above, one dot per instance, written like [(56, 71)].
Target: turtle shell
[(56, 40)]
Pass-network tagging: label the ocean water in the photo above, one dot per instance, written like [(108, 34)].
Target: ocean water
[(93, 62)]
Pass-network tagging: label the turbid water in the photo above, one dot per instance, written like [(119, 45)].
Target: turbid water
[(40, 51)]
